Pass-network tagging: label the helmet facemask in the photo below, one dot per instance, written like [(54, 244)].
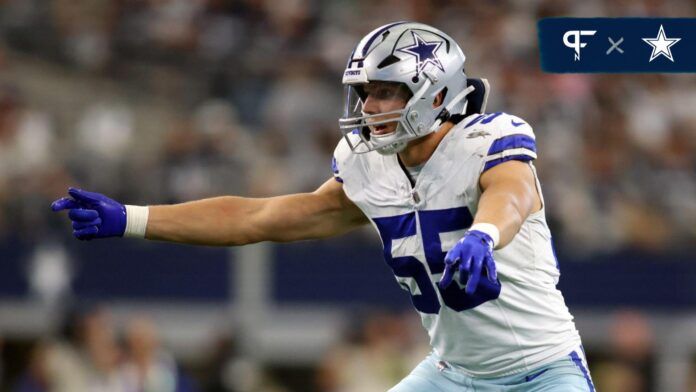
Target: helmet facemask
[(356, 120), (408, 127), (373, 128)]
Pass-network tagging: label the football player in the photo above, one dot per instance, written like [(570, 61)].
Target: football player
[(454, 196)]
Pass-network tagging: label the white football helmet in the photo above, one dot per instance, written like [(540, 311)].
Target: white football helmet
[(425, 60)]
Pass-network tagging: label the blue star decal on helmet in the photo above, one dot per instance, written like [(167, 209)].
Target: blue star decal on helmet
[(425, 52)]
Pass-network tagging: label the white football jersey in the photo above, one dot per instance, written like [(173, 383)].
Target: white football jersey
[(502, 329)]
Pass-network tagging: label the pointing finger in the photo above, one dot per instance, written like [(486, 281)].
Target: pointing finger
[(83, 196), (474, 275), (447, 275), (490, 268), (64, 203), (465, 267)]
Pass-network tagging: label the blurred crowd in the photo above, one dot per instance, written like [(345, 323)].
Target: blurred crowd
[(94, 353), (171, 100), (87, 356)]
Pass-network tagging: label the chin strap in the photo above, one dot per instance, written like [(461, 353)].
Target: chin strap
[(445, 113)]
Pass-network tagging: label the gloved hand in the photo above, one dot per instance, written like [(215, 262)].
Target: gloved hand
[(93, 215), (472, 254)]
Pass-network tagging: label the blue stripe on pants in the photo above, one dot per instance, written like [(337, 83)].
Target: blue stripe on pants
[(574, 356)]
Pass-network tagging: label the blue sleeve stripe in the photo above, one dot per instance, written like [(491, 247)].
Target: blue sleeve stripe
[(334, 169), (496, 162), (483, 118), (491, 117), (475, 120), (517, 140)]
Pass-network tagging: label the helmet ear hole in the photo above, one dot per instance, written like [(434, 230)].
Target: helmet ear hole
[(440, 98)]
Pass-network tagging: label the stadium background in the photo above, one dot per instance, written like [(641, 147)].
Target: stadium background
[(162, 101)]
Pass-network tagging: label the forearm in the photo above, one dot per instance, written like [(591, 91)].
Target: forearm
[(218, 221), (231, 220), (509, 196), (505, 210)]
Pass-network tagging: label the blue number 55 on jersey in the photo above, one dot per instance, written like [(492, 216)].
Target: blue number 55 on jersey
[(432, 224)]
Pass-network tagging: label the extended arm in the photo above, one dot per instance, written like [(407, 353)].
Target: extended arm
[(231, 220), (220, 221)]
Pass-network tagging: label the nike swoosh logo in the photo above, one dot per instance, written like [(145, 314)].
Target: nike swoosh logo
[(533, 376), (516, 124)]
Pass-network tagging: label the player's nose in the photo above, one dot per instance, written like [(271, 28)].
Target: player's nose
[(370, 106)]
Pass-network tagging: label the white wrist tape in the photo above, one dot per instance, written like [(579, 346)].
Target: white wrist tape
[(136, 221), (489, 229)]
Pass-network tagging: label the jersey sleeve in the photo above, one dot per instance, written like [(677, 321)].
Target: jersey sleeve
[(336, 172), (514, 141), (339, 160)]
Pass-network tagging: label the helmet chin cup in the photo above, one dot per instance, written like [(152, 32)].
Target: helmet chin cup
[(393, 148), (391, 143)]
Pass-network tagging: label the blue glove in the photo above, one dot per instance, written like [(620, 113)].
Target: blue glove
[(472, 254), (93, 215)]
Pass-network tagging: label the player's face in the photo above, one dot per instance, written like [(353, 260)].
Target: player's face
[(383, 97)]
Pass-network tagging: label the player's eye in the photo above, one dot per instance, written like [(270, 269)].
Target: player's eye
[(381, 92), (384, 93)]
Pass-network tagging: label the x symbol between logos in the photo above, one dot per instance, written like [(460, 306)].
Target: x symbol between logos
[(615, 45)]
